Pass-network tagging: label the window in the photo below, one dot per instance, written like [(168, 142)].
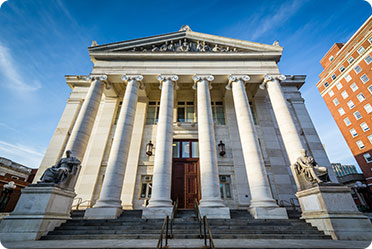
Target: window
[(347, 121), (341, 111), (185, 111), (370, 138), (225, 187), (219, 113), (339, 85), (370, 39), (357, 115), (350, 60), (152, 115), (185, 149), (333, 77), (331, 93), (342, 68), (361, 50), (331, 58), (357, 69), (326, 84), (353, 132), (360, 144), (368, 108), (354, 87), (368, 59), (364, 78), (348, 77), (367, 157), (364, 126), (146, 187), (344, 94), (370, 89), (336, 102), (361, 97), (350, 104)]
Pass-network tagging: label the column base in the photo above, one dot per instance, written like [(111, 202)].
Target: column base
[(211, 203), (215, 212), (97, 213), (268, 212), (156, 212)]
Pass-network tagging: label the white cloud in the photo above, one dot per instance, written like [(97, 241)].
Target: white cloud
[(277, 18), (22, 154), (1, 2), (14, 78)]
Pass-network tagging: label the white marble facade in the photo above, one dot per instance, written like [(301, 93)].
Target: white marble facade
[(263, 130)]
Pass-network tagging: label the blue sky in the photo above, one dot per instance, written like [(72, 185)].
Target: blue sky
[(41, 41)]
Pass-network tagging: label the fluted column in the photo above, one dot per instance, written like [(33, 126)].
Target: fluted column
[(82, 129), (109, 203), (291, 139), (262, 204), (211, 203), (160, 203)]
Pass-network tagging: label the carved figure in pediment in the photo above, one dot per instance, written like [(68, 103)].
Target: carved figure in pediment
[(185, 46), (171, 46), (306, 168), (164, 47), (154, 48), (178, 46), (216, 48)]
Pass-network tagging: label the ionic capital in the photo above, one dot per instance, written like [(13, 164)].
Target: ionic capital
[(173, 78), (199, 77), (101, 78), (271, 77), (137, 78), (234, 78)]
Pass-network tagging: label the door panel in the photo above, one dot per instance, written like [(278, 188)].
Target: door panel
[(178, 182)]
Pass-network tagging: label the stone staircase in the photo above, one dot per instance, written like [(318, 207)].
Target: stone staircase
[(130, 226)]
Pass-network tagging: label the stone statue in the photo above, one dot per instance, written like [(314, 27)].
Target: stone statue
[(306, 167), (59, 173)]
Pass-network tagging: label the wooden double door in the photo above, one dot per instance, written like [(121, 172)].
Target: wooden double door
[(185, 174)]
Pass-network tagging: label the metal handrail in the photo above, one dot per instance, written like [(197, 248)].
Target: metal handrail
[(175, 206), (79, 202), (206, 227), (197, 214), (160, 241), (207, 233), (290, 202), (165, 227)]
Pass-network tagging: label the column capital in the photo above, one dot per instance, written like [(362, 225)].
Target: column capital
[(165, 77), (271, 77), (134, 77), (199, 77), (236, 77), (100, 77)]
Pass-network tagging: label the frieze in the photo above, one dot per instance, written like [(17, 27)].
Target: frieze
[(185, 45)]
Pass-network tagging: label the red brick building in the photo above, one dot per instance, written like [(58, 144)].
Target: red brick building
[(346, 87)]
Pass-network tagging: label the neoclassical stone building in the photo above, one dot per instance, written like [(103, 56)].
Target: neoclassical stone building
[(187, 116)]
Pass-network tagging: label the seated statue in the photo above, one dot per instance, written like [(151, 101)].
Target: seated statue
[(306, 166), (59, 173)]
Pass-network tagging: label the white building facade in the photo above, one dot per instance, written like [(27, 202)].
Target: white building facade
[(187, 94)]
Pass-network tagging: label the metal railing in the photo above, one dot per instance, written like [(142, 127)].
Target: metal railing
[(206, 234), (79, 202), (291, 203), (165, 227)]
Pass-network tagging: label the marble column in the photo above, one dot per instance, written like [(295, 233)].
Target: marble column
[(211, 203), (83, 126), (160, 203), (262, 204), (108, 206), (291, 139)]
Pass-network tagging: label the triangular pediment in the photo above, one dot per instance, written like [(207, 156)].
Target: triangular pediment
[(185, 41)]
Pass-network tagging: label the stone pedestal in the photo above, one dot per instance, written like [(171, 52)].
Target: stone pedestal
[(156, 212), (331, 209), (39, 210), (215, 212)]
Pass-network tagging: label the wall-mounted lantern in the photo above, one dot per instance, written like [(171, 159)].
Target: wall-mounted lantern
[(149, 147), (221, 149)]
